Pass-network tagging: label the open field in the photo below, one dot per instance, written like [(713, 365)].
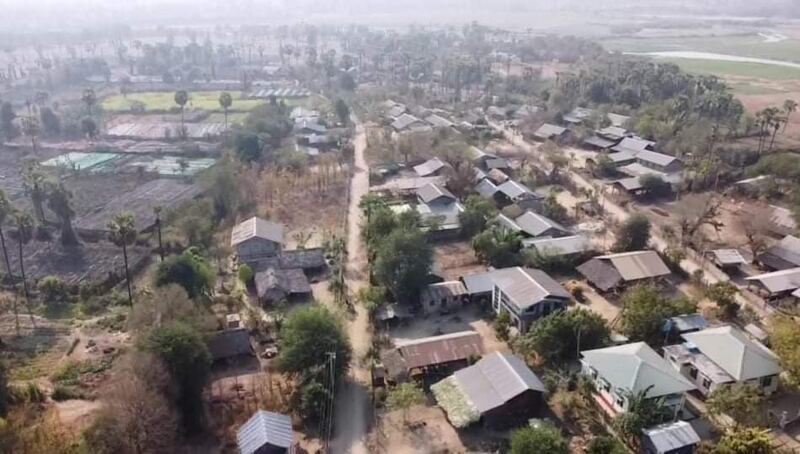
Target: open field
[(730, 68), (743, 45), (162, 101)]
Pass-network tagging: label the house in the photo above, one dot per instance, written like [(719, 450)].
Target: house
[(309, 126), (479, 286), (479, 157), (433, 194), (724, 355), (266, 432), (496, 113), (631, 369), (612, 133), (565, 246), (257, 238), (782, 221), (677, 437), (727, 259), (532, 225), (486, 188), (524, 111), (431, 167), (407, 123), (621, 158), (775, 285), (498, 391), (511, 191), (275, 284), (781, 256), (497, 176), (527, 295), (230, 344), (439, 122), (445, 217), (687, 323), (443, 296), (550, 132), (658, 161), (395, 111), (299, 113), (577, 115), (597, 142), (434, 356), (610, 272), (633, 145), (617, 119), (406, 186)]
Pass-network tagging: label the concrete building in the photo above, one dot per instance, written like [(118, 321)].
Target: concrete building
[(526, 295)]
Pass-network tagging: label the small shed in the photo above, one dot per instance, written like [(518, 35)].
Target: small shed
[(257, 238), (229, 344), (672, 438), (266, 432), (727, 259)]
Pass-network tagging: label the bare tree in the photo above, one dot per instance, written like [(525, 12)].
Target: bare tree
[(696, 211), (755, 225)]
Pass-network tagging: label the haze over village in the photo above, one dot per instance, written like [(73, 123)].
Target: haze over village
[(361, 226)]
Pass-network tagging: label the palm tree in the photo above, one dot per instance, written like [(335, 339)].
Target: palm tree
[(58, 202), (35, 185), (5, 210), (643, 412), (24, 234), (225, 101), (122, 232), (789, 106), (181, 98), (90, 99), (30, 126), (157, 211)]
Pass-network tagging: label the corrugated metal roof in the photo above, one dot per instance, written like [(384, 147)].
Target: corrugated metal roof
[(479, 282), (447, 289), (784, 254), (548, 131), (432, 191), (513, 190), (486, 188), (779, 281), (566, 245), (495, 380), (429, 167), (230, 343), (636, 367), (633, 145), (734, 352), (433, 350), (637, 265), (671, 436), (265, 427), (404, 121), (688, 322), (599, 142), (527, 287), (535, 224), (659, 159), (729, 256), (256, 228)]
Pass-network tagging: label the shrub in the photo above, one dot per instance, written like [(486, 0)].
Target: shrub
[(61, 392), (246, 274)]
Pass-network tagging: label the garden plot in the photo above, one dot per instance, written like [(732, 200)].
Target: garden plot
[(165, 101), (174, 148), (165, 193), (175, 166), (164, 130), (76, 160), (281, 93)]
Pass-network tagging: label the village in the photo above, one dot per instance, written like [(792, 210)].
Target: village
[(352, 240)]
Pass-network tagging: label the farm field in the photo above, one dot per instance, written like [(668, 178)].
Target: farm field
[(730, 68), (164, 101), (743, 45)]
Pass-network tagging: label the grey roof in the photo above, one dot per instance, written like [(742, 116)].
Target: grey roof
[(633, 145), (495, 380), (566, 245), (783, 217), (612, 132), (440, 290), (310, 124), (688, 322), (392, 311), (526, 287), (731, 349), (265, 428), (447, 214), (396, 110), (497, 175), (302, 112), (229, 343), (479, 282), (432, 191), (617, 119), (785, 254), (438, 122), (636, 367), (779, 281), (659, 159), (404, 121), (533, 224), (578, 114), (672, 436), (292, 281), (599, 142), (429, 167), (608, 271), (513, 190), (486, 188), (497, 163), (621, 156), (256, 228), (477, 154), (548, 131), (728, 256)]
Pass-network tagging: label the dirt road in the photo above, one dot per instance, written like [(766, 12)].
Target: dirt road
[(353, 402)]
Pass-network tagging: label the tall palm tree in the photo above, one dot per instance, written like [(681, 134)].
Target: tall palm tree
[(157, 210), (58, 202), (225, 101), (789, 106), (122, 232), (34, 182), (90, 99), (5, 211), (24, 234), (181, 98)]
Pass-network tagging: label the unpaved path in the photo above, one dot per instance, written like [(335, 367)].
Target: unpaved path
[(352, 400)]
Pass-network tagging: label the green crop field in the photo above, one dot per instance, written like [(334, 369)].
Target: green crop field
[(738, 69), (163, 101), (742, 45)]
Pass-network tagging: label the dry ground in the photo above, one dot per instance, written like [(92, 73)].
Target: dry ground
[(397, 435), (456, 259)]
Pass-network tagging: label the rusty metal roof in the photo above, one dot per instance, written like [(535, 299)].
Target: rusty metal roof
[(434, 350), (636, 265)]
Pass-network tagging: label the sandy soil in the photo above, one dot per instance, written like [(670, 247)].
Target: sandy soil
[(398, 436), (456, 259)]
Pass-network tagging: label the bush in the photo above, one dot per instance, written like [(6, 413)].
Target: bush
[(33, 394), (61, 392), (246, 274), (502, 325), (577, 293)]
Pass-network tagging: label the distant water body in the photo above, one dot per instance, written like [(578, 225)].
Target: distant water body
[(719, 57)]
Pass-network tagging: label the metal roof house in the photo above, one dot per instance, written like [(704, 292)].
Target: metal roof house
[(229, 344), (511, 191), (564, 246), (632, 368), (550, 132), (724, 355), (727, 259), (432, 355), (783, 255), (610, 272), (266, 432), (257, 238), (777, 284), (431, 167), (407, 122), (526, 294), (499, 391), (275, 284), (431, 194), (532, 225), (633, 145), (677, 437), (443, 296)]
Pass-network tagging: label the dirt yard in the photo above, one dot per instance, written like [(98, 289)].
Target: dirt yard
[(456, 259), (424, 429)]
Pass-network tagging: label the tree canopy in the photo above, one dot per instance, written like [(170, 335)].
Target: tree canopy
[(190, 270), (633, 234), (645, 310), (556, 337), (545, 439), (403, 262), (308, 336), (477, 212)]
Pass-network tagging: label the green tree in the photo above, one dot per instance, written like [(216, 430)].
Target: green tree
[(58, 202), (744, 404), (654, 186), (342, 111), (246, 274), (89, 98), (554, 210), (605, 444), (560, 336), (746, 441), (89, 127), (789, 106), (309, 336), (5, 210), (157, 211), (502, 325), (181, 98), (53, 290), (498, 246), (643, 412), (405, 396), (248, 146), (122, 232), (183, 350), (545, 439), (723, 294), (24, 234), (644, 311), (785, 338), (477, 212), (5, 396), (633, 234), (225, 101), (190, 270), (51, 123), (403, 262), (35, 185)]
